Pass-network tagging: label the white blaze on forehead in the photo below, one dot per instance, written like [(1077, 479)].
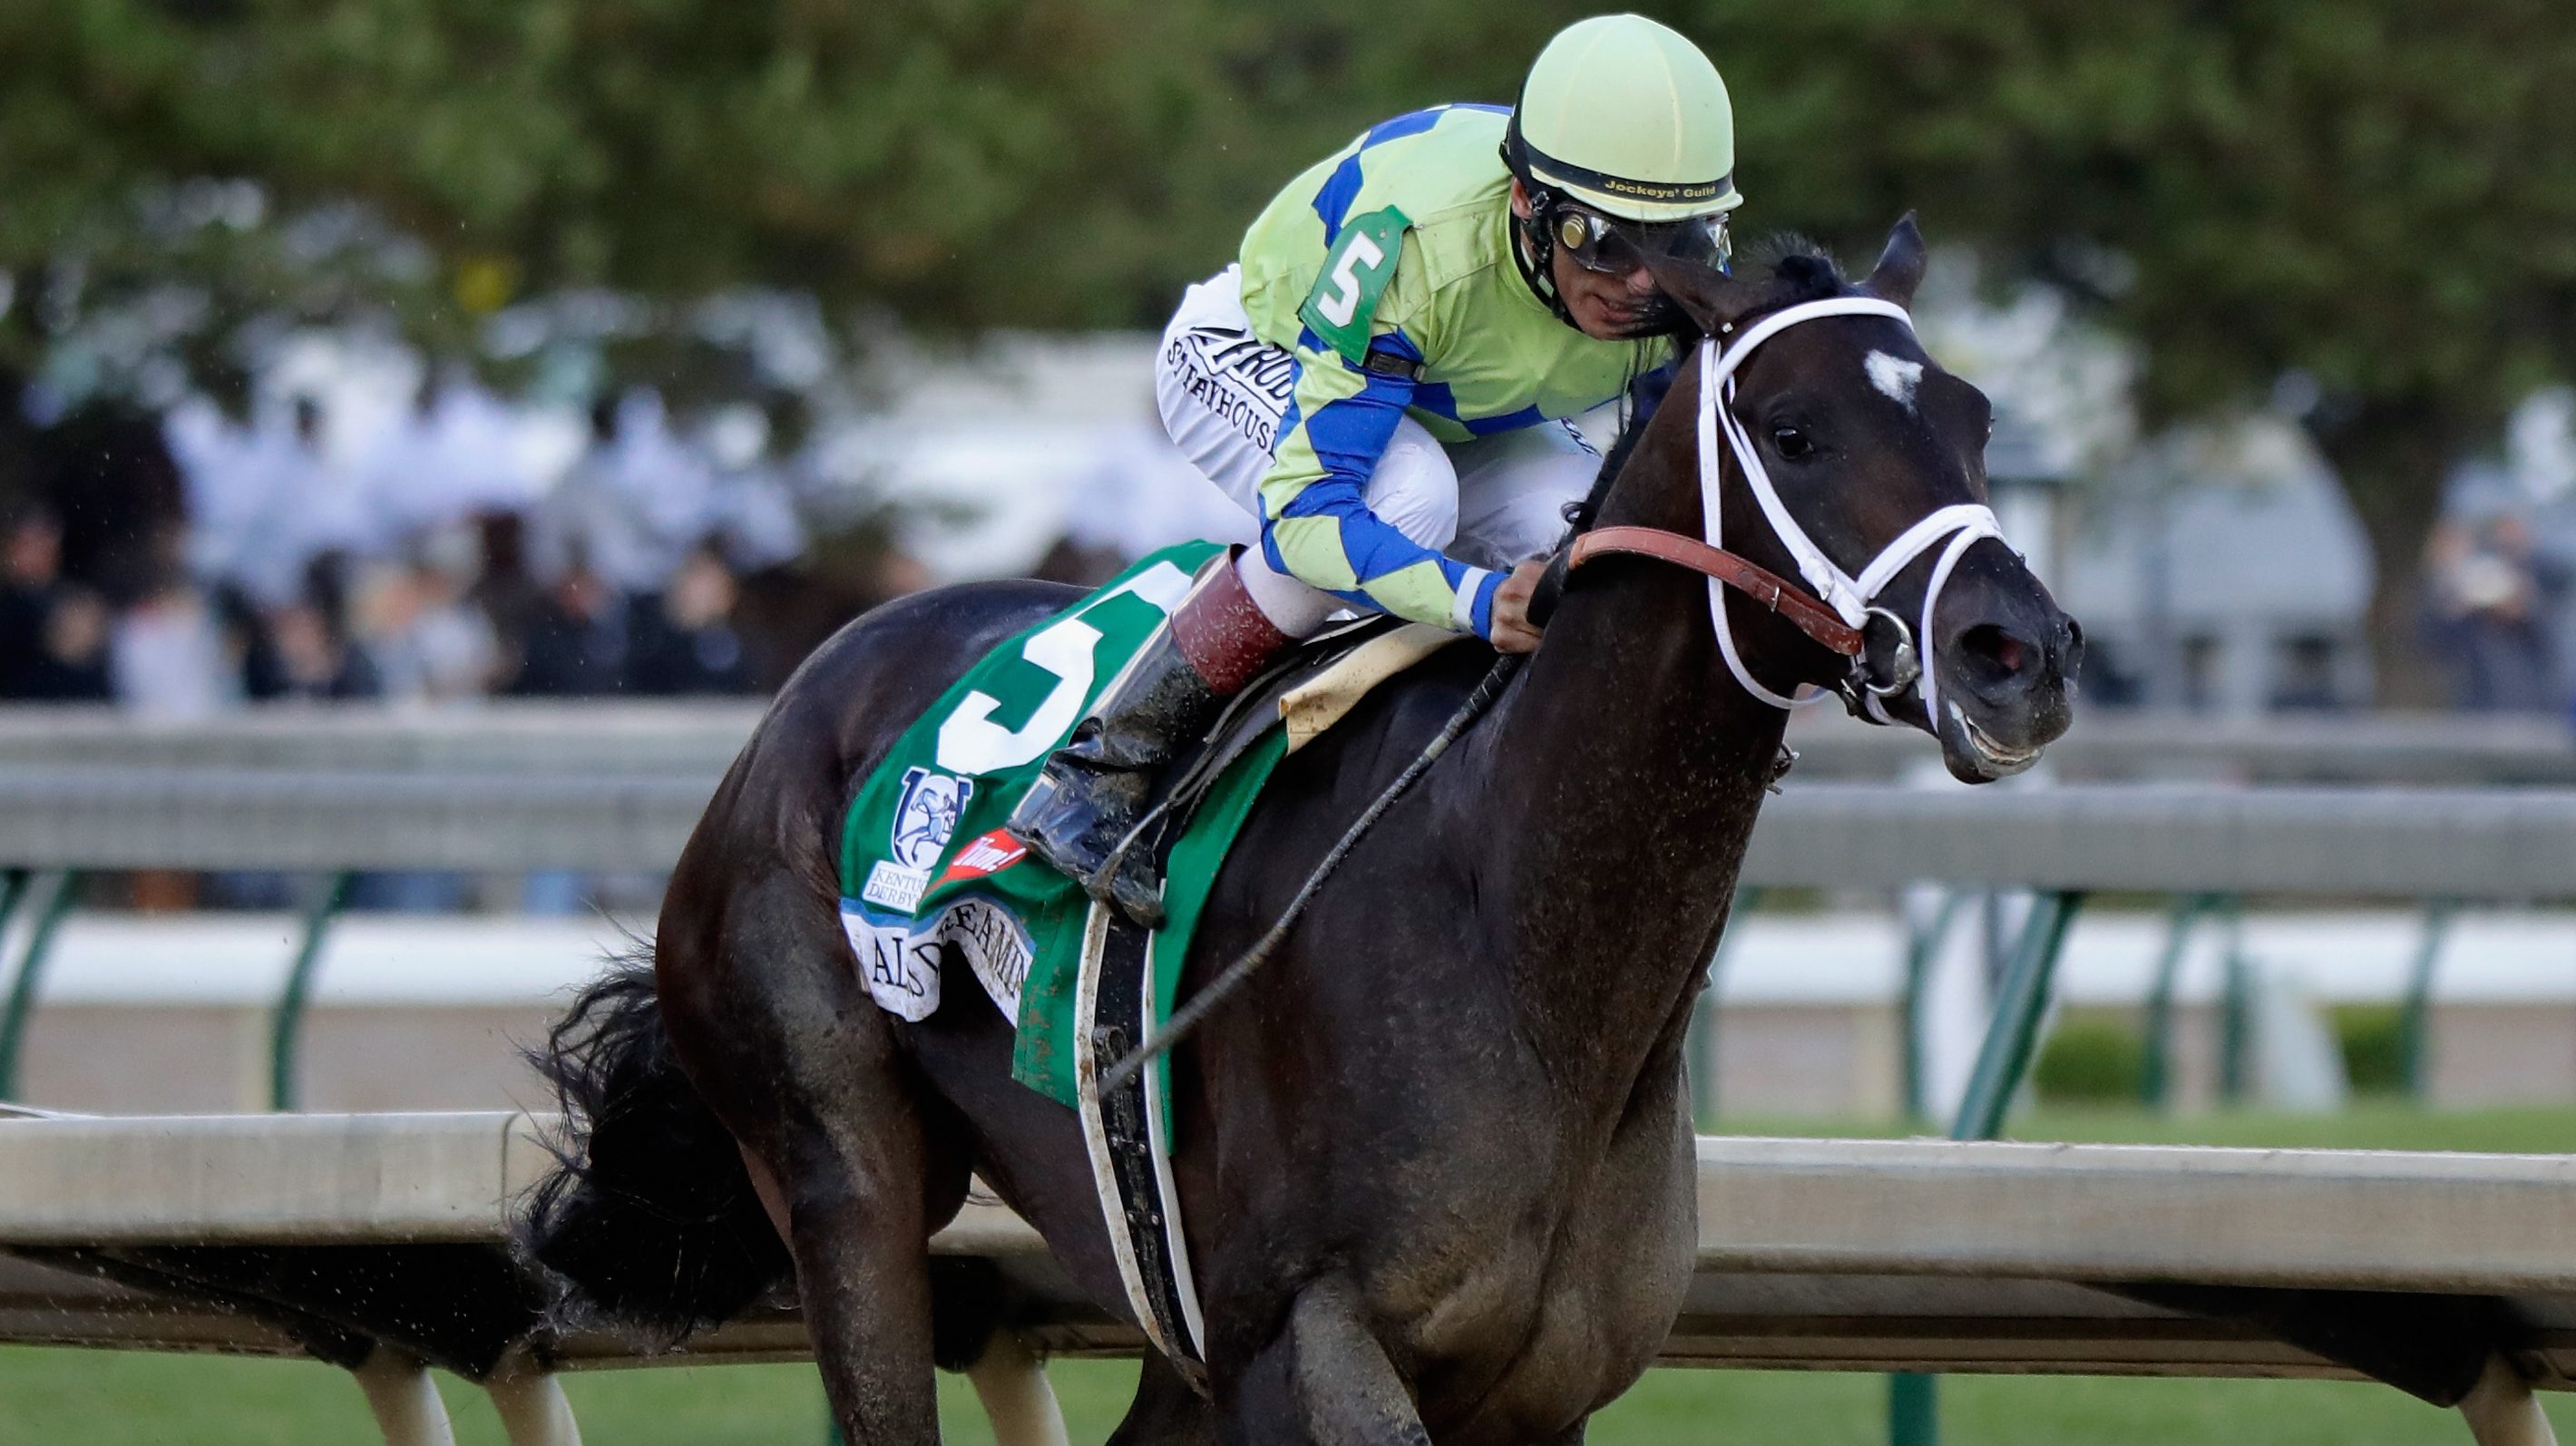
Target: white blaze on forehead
[(1895, 376)]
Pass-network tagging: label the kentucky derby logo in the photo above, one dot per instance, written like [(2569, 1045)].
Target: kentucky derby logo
[(926, 816)]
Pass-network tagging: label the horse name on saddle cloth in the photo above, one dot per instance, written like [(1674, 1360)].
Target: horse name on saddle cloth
[(926, 865)]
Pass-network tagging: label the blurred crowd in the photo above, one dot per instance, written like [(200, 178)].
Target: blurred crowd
[(2496, 602), (443, 546), (436, 557)]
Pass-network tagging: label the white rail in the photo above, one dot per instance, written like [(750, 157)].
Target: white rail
[(698, 739), (2469, 844), (1876, 1255)]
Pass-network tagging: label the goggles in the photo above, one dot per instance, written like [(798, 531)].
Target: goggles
[(1618, 248)]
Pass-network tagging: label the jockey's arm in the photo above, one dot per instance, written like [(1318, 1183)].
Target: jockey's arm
[(1316, 523)]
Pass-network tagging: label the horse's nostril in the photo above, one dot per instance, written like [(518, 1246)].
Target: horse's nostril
[(2003, 654)]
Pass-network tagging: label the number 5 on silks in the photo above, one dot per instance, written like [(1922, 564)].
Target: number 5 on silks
[(1355, 274), (970, 742)]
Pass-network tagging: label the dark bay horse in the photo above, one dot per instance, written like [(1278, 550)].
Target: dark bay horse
[(1436, 1162)]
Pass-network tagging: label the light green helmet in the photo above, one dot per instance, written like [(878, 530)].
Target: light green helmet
[(1627, 117)]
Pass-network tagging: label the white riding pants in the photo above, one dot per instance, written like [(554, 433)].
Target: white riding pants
[(1491, 502)]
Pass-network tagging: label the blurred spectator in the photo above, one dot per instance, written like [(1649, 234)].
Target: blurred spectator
[(2493, 595), (577, 645), (73, 666), (683, 641), (454, 453), (427, 642), (53, 636), (303, 651), (31, 562), (166, 654), (637, 499), (265, 501), (506, 593)]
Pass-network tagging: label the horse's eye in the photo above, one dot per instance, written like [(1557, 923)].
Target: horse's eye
[(1791, 443)]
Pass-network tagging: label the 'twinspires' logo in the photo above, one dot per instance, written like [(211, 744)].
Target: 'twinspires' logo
[(983, 857)]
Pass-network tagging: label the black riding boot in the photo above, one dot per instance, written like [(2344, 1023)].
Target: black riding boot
[(1092, 792)]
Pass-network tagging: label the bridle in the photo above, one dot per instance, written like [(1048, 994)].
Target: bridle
[(1841, 611)]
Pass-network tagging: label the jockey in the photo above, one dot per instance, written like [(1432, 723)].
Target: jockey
[(1384, 379)]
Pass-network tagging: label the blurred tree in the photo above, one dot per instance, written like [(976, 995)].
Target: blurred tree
[(2377, 194)]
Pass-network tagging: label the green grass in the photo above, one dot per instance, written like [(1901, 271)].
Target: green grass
[(2369, 1125), (114, 1399), (109, 1399)]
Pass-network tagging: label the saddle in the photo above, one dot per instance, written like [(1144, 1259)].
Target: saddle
[(1306, 692)]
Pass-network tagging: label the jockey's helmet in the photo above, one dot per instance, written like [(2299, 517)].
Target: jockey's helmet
[(1625, 140)]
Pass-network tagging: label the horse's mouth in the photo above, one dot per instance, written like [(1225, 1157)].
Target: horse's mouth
[(1992, 757)]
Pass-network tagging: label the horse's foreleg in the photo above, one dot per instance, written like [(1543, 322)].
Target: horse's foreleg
[(1325, 1380)]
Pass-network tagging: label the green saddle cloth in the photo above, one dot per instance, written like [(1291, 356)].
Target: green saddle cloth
[(926, 865)]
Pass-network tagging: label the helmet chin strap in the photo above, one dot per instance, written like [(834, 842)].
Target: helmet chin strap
[(1960, 525), (1534, 250)]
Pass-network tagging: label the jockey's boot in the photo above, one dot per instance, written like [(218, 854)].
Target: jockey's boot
[(1092, 793)]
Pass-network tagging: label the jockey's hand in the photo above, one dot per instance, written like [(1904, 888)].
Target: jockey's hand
[(1513, 630)]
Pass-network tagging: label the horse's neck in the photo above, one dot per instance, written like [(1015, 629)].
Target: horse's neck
[(1637, 766)]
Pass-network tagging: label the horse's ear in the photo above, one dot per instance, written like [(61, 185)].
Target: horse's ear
[(1900, 266), (1713, 300)]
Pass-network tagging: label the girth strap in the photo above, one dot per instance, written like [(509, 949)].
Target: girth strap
[(1764, 586)]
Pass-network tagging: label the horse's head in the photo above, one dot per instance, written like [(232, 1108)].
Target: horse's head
[(1834, 420)]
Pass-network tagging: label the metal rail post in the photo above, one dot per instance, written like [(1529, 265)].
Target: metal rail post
[(2415, 1025), (404, 1401), (1699, 1047), (2020, 1007), (2012, 1039), (2155, 1071), (286, 1023), (1923, 942), (2235, 1019), (532, 1407), (13, 891), (65, 884)]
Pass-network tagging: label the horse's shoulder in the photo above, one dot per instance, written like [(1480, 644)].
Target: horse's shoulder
[(1339, 773), (1412, 708)]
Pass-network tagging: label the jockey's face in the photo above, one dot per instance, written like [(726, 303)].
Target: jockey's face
[(1606, 306)]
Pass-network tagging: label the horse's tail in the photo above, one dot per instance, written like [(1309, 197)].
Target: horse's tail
[(650, 1218)]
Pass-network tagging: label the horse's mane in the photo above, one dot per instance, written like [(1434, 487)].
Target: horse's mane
[(1801, 269)]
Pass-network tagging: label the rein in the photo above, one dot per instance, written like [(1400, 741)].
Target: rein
[(1751, 579)]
